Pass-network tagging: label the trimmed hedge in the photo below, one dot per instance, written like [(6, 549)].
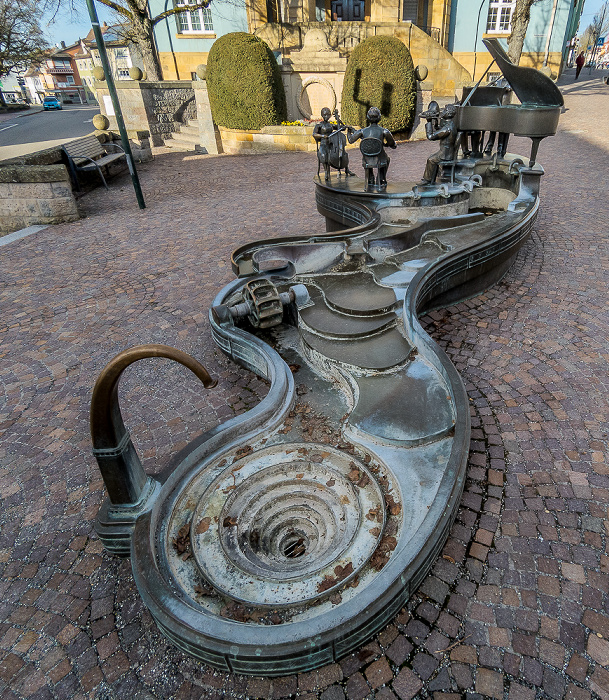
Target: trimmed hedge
[(380, 73), (244, 83)]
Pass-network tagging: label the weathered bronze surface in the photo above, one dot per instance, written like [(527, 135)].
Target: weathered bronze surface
[(286, 537), (441, 127), (128, 486), (331, 142), (374, 138)]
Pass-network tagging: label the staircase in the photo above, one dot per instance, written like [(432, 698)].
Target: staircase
[(186, 139)]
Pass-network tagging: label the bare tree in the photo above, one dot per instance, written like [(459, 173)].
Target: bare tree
[(520, 24), (22, 42), (137, 24), (595, 30)]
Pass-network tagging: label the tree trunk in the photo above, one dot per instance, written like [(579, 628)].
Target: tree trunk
[(143, 36), (520, 23)]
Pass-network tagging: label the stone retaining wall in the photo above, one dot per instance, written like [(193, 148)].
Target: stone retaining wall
[(268, 140), (271, 139), (158, 107), (36, 188), (34, 194)]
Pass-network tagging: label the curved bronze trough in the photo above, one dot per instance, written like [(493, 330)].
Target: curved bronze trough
[(289, 535)]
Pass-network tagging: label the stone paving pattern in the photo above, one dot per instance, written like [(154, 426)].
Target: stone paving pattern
[(517, 606)]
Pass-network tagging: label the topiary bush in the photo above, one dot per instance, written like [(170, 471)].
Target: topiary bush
[(244, 83), (380, 73)]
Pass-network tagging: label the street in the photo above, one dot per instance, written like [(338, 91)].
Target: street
[(21, 134)]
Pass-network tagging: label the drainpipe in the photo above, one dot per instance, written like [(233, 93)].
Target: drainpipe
[(551, 27), (476, 39)]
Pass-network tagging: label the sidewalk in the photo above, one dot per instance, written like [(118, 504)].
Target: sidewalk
[(517, 606), (8, 116)]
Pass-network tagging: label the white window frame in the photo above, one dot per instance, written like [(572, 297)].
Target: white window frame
[(499, 18), (188, 20)]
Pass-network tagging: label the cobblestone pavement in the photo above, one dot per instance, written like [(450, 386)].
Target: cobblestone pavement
[(517, 606)]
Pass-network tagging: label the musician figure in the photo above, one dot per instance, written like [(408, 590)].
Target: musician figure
[(441, 128), (374, 138), (331, 144)]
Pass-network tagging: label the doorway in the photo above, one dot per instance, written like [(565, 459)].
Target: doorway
[(348, 10)]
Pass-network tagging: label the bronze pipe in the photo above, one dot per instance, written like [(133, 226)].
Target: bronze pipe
[(118, 461)]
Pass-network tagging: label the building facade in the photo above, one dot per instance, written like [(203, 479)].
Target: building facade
[(183, 40), (551, 29), (432, 16), (57, 75), (122, 55)]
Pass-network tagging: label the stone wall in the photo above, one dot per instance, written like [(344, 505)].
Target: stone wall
[(158, 107), (445, 73), (270, 139), (36, 188), (208, 132), (35, 194)]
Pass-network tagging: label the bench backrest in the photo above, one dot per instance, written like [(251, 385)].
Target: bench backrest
[(86, 147)]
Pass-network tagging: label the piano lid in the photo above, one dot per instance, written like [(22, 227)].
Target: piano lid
[(530, 85)]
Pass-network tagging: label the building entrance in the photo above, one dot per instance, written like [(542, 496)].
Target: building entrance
[(348, 10)]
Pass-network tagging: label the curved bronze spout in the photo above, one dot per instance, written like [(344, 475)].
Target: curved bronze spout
[(118, 461)]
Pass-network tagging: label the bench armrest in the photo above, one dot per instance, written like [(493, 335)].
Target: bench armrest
[(111, 143)]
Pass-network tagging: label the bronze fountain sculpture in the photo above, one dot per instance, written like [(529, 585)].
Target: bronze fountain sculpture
[(331, 143), (288, 536)]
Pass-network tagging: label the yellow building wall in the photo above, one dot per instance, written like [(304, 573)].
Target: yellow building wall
[(477, 62), (385, 11), (181, 64)]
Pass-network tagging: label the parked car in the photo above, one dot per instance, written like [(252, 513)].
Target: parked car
[(51, 103)]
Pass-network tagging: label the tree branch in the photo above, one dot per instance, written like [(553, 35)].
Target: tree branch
[(182, 8), (117, 8)]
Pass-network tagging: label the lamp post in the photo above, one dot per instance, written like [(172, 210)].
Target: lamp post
[(99, 40)]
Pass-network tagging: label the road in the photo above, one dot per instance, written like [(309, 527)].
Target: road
[(32, 132)]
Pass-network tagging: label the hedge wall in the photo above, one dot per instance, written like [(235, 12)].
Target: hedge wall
[(380, 73), (244, 83)]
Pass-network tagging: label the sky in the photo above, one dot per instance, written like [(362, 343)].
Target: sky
[(70, 27), (591, 7)]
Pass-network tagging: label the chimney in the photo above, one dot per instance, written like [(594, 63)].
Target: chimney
[(63, 44)]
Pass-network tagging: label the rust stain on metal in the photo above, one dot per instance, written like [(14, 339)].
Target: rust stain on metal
[(203, 526)]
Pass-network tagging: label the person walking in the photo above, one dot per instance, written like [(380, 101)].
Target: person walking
[(579, 64)]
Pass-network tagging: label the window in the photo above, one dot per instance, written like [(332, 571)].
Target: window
[(69, 80), (500, 16), (190, 21)]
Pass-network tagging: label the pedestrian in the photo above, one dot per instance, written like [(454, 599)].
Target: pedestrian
[(579, 64)]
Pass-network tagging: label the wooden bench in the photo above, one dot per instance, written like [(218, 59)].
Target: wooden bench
[(87, 154)]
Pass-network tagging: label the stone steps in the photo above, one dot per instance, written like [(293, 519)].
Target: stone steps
[(186, 139)]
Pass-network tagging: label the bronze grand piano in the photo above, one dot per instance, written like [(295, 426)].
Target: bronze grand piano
[(537, 115)]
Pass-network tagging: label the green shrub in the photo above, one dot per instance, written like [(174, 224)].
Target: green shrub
[(380, 73), (244, 83)]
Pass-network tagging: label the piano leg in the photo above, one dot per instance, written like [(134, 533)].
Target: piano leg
[(502, 143), (490, 144), (477, 138), (534, 149)]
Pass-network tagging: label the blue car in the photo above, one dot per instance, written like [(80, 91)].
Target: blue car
[(51, 103)]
